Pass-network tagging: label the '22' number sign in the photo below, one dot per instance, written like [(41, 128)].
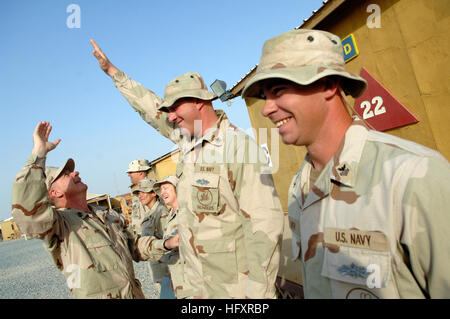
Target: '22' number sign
[(379, 108)]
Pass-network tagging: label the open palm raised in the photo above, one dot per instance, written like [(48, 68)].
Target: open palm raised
[(41, 145)]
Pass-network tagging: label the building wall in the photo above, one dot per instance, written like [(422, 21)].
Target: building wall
[(125, 203), (10, 230), (167, 165)]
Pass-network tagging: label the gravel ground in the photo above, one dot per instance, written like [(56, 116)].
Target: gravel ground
[(27, 272)]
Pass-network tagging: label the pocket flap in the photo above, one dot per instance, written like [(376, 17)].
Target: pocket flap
[(358, 266), (215, 246), (95, 240)]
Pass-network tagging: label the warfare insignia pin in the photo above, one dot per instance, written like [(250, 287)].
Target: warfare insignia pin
[(202, 181), (353, 271), (343, 170)]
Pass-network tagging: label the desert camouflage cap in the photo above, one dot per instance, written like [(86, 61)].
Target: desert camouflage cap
[(138, 165), (146, 185), (303, 56), (172, 179), (52, 173), (189, 84)]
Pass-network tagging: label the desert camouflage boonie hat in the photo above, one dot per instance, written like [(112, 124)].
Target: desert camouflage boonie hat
[(303, 56), (138, 165), (189, 84), (52, 173), (146, 185), (172, 179)]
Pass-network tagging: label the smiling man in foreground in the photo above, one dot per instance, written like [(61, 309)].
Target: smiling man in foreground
[(91, 245), (369, 212)]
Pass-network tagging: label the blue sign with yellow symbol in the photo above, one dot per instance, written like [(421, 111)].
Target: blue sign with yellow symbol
[(350, 48)]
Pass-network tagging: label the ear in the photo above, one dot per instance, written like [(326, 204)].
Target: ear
[(331, 87), (54, 193), (143, 174), (199, 104)]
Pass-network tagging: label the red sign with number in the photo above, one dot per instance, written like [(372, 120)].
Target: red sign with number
[(379, 108)]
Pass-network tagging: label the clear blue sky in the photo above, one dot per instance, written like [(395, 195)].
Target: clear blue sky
[(49, 74)]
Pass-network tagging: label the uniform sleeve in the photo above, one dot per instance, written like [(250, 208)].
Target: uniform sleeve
[(31, 209), (426, 226), (161, 225), (263, 221), (146, 102), (294, 217), (162, 220), (146, 247)]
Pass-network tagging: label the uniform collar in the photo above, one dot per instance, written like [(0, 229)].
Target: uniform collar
[(97, 211), (155, 207), (345, 162), (341, 169), (214, 135), (172, 214)]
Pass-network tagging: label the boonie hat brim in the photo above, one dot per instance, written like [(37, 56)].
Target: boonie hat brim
[(70, 165), (304, 75), (199, 94)]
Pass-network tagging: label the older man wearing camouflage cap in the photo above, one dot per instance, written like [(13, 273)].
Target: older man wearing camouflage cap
[(230, 216), (368, 211), (90, 245)]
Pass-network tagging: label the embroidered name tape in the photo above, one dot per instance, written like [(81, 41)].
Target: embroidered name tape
[(372, 240), (207, 169)]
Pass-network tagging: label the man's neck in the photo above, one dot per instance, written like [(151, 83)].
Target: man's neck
[(325, 145), (75, 203), (209, 119), (140, 178)]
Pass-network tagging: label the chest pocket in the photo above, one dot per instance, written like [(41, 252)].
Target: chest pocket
[(205, 193), (103, 255)]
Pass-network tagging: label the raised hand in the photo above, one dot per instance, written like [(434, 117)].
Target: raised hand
[(41, 145), (103, 61)]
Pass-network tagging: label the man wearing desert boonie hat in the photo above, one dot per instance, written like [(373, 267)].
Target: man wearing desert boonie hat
[(368, 211), (230, 217)]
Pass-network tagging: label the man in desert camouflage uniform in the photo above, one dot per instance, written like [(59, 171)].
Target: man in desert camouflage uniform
[(137, 171), (153, 225), (92, 246), (231, 221), (167, 190), (368, 210)]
